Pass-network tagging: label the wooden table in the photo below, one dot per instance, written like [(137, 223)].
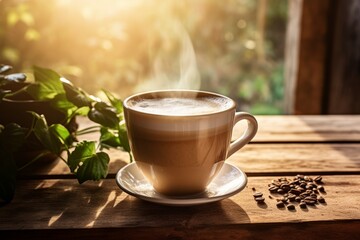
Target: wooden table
[(50, 203)]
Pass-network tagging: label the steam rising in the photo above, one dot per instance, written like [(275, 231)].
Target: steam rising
[(174, 60)]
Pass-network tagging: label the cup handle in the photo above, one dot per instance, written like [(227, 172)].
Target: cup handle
[(248, 134)]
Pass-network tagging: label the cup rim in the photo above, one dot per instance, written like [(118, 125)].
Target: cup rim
[(127, 107)]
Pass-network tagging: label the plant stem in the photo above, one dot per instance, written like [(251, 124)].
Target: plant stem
[(12, 94), (88, 130), (63, 159), (34, 160)]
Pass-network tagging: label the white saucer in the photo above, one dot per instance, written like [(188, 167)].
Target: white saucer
[(229, 181)]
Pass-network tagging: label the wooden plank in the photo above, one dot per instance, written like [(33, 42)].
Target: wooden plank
[(326, 128), (344, 230), (287, 128), (254, 159), (272, 159), (64, 205)]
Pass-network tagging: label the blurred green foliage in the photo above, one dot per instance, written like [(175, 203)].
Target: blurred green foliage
[(116, 44)]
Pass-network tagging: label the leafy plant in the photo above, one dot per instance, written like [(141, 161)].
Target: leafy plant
[(86, 159)]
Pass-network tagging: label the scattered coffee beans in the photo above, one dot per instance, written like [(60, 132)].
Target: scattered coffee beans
[(302, 189), (321, 200), (257, 194), (302, 204), (290, 207), (260, 199), (280, 204)]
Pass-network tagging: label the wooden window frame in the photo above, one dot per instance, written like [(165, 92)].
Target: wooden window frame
[(322, 57)]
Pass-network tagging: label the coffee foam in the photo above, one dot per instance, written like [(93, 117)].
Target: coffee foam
[(173, 106)]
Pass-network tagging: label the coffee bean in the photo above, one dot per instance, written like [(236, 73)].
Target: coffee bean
[(290, 207), (283, 179), (313, 195), (302, 205), (276, 183), (270, 197), (303, 185), (300, 176), (321, 200), (295, 191), (273, 189), (280, 204), (321, 188), (300, 189), (310, 199), (304, 195), (260, 199), (309, 202), (309, 192), (291, 197), (257, 194), (298, 199), (281, 191), (295, 182), (284, 200), (318, 179)]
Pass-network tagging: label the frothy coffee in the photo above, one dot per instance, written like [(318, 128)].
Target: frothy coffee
[(180, 139), (175, 106)]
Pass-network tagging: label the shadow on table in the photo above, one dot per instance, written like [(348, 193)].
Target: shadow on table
[(134, 212), (104, 205)]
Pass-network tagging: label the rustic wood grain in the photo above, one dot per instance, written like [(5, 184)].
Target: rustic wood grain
[(291, 158), (288, 128), (325, 128), (312, 156), (254, 159), (40, 207)]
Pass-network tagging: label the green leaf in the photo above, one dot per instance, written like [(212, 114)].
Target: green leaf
[(115, 102), (108, 139), (93, 168), (124, 138), (42, 133), (82, 151), (33, 90), (61, 103), (104, 114), (49, 84), (87, 164), (62, 134), (15, 77), (5, 68), (78, 97), (83, 111)]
